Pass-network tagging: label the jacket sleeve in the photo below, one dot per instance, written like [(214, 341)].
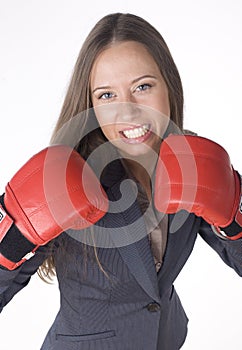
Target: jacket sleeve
[(11, 282), (229, 251)]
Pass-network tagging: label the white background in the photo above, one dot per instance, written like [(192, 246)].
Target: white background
[(39, 43)]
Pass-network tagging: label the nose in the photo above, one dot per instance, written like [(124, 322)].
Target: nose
[(128, 110)]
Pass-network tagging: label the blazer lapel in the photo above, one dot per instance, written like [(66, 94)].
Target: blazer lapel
[(126, 227), (131, 239)]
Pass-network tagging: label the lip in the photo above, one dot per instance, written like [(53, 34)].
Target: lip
[(136, 140)]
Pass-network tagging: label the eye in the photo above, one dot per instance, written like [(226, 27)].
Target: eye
[(106, 96), (143, 87)]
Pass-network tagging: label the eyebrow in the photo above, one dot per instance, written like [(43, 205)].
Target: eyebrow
[(134, 81)]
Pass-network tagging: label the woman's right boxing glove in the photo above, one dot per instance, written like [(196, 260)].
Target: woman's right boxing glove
[(54, 191)]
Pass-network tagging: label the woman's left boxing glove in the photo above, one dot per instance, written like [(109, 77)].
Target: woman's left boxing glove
[(54, 191), (195, 174)]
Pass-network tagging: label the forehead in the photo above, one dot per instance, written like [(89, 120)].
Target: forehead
[(127, 57)]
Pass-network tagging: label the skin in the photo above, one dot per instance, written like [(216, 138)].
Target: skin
[(128, 92)]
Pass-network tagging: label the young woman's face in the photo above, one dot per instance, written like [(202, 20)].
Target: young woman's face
[(130, 98)]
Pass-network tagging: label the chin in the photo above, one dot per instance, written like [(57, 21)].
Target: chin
[(137, 151)]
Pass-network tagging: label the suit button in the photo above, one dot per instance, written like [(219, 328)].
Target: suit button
[(153, 307)]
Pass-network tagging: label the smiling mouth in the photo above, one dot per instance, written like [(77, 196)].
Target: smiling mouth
[(136, 133)]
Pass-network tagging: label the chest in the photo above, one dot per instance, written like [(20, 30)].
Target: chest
[(126, 272)]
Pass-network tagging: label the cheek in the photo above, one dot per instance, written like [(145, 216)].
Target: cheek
[(161, 100), (105, 115), (163, 104), (102, 121), (108, 131), (106, 118)]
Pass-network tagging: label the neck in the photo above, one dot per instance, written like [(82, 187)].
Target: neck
[(142, 168)]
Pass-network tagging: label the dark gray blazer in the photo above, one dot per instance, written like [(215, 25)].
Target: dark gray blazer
[(132, 307)]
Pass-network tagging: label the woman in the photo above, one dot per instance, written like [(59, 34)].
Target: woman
[(116, 266)]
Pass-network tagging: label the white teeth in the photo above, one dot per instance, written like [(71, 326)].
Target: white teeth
[(137, 132)]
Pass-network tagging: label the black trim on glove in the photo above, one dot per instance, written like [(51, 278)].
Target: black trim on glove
[(14, 246), (232, 229)]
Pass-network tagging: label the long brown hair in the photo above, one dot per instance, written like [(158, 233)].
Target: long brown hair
[(117, 27)]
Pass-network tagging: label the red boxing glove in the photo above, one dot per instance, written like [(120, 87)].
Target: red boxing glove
[(195, 174), (54, 191)]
